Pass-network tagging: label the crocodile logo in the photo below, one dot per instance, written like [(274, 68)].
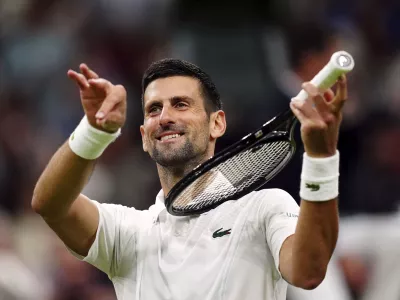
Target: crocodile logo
[(219, 233), (313, 187)]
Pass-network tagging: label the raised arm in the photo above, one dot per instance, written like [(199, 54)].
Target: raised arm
[(56, 197), (304, 256)]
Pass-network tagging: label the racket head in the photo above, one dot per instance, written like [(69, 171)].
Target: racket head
[(237, 170)]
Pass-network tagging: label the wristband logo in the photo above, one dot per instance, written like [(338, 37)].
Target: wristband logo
[(73, 136), (313, 187)]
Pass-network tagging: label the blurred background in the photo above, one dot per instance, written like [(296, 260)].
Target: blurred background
[(258, 53)]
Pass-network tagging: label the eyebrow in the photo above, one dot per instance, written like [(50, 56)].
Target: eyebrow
[(180, 98), (151, 103), (172, 99)]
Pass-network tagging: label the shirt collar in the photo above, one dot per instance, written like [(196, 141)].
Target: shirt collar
[(159, 205), (160, 199)]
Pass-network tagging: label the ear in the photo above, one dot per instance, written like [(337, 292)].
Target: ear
[(144, 140), (217, 124)]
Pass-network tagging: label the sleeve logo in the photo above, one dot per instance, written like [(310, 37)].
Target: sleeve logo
[(291, 215)]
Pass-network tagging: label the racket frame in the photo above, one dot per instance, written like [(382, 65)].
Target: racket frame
[(279, 128)]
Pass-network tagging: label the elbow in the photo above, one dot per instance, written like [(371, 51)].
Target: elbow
[(310, 281), (38, 202), (36, 205)]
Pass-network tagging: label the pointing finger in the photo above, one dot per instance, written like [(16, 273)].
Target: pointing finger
[(87, 72), (79, 79)]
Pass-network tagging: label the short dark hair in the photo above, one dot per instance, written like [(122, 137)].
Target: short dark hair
[(175, 67)]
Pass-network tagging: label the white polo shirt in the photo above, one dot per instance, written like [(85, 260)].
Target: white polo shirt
[(228, 253)]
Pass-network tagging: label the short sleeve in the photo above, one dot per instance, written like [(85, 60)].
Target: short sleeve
[(115, 238), (280, 216)]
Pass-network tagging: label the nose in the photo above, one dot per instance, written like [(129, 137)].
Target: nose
[(166, 116)]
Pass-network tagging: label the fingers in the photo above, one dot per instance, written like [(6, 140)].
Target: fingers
[(113, 99), (113, 121), (314, 97), (87, 72), (341, 94), (297, 112), (310, 118), (89, 79), (115, 118), (79, 79), (99, 91), (329, 95), (82, 78), (101, 84), (304, 111)]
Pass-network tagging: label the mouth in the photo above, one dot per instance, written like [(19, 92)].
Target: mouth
[(169, 137)]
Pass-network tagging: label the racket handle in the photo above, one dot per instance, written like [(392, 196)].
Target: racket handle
[(340, 63)]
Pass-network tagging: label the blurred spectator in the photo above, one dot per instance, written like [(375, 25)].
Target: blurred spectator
[(17, 281)]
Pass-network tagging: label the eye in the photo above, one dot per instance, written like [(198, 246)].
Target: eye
[(155, 109), (181, 104)]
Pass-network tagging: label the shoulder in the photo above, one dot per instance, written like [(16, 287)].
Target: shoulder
[(122, 215), (273, 200), (270, 196)]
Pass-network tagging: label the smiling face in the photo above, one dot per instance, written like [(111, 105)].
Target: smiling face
[(177, 129)]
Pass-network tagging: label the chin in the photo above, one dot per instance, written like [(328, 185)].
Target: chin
[(177, 159), (171, 161)]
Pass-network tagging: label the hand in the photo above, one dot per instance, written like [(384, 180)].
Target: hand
[(320, 117), (104, 103)]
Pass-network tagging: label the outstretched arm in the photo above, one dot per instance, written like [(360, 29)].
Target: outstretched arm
[(304, 256), (57, 196)]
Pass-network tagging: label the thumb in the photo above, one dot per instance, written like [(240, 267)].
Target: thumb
[(116, 95)]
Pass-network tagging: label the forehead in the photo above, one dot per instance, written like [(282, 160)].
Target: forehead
[(169, 87)]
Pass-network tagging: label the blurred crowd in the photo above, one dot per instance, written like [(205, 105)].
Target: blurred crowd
[(257, 52)]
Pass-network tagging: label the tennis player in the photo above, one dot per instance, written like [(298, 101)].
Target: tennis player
[(250, 248)]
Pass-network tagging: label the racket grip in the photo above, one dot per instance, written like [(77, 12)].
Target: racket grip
[(340, 63)]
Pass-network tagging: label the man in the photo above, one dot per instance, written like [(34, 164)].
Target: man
[(244, 249)]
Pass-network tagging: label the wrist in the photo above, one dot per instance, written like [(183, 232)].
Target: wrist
[(89, 142), (320, 178), (320, 155)]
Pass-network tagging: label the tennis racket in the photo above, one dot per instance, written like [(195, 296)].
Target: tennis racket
[(252, 161)]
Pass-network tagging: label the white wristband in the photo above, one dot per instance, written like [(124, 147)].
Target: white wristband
[(320, 178), (89, 142)]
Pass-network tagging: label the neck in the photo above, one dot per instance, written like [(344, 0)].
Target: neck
[(169, 176)]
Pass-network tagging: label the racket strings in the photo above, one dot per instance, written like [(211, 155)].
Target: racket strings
[(233, 176)]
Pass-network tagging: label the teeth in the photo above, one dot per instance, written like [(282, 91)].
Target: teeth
[(171, 136)]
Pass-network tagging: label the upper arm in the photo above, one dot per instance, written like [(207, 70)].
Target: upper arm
[(285, 259), (77, 229), (280, 215), (101, 234)]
